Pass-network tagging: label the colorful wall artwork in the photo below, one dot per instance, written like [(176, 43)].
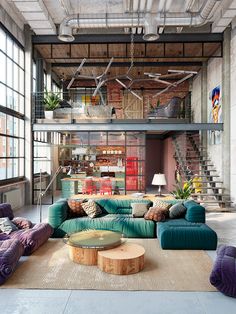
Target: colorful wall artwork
[(215, 114)]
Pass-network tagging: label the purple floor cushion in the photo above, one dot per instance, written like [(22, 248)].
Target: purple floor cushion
[(223, 275), (34, 237), (10, 253)]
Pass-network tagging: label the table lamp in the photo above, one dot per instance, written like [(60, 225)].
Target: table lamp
[(159, 179)]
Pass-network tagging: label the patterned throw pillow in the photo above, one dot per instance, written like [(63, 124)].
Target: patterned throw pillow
[(177, 210), (156, 214), (139, 209), (161, 204), (91, 208), (76, 210)]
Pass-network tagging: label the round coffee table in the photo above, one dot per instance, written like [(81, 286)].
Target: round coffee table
[(125, 259), (84, 245)]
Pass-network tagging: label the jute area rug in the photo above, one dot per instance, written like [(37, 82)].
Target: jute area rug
[(174, 270)]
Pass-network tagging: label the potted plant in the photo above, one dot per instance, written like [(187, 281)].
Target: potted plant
[(51, 101), (183, 190)]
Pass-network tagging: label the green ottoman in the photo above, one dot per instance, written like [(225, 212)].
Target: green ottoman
[(182, 234)]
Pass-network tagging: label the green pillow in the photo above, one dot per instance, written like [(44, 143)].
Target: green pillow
[(177, 210)]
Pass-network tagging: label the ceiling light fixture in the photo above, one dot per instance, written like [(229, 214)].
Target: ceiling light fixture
[(150, 28), (65, 33)]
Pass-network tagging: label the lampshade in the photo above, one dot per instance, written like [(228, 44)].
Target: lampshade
[(159, 179)]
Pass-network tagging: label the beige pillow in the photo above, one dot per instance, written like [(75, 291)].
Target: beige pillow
[(161, 204), (139, 209), (91, 208)]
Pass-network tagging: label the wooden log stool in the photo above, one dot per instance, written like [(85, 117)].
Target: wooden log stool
[(125, 259)]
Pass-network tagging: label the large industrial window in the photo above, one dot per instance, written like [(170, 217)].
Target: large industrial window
[(12, 107)]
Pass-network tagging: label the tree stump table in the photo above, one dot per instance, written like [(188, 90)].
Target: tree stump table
[(125, 259)]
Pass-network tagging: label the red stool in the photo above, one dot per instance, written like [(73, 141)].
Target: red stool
[(89, 187), (105, 186)]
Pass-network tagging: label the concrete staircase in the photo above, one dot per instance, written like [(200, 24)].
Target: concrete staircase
[(193, 161)]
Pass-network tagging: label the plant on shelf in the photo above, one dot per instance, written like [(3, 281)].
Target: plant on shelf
[(183, 190), (51, 101)]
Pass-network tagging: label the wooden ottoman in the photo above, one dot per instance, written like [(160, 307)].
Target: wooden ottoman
[(125, 259)]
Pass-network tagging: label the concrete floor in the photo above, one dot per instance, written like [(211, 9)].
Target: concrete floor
[(112, 302)]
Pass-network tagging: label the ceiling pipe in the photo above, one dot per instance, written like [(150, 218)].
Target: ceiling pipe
[(149, 21)]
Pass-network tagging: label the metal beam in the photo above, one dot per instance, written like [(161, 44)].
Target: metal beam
[(125, 38), (128, 127), (127, 64)]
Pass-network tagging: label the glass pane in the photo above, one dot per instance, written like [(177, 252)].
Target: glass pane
[(34, 70), (80, 138), (21, 85), (135, 138), (16, 77), (34, 86), (3, 67), (135, 183), (10, 101), (136, 151), (98, 138), (21, 167), (12, 147), (116, 138), (16, 126), (9, 47), (141, 168), (2, 123), (9, 169), (21, 128), (2, 40), (15, 101), (3, 95), (2, 146), (21, 58), (21, 148), (21, 104), (16, 53), (9, 73), (2, 169), (15, 163), (10, 125)]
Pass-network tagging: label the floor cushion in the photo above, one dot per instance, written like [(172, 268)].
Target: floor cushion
[(10, 252), (34, 237), (181, 234), (223, 275)]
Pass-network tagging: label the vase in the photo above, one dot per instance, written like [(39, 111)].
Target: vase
[(48, 114)]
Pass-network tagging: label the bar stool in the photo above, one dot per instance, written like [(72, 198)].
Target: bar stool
[(88, 187), (105, 186)]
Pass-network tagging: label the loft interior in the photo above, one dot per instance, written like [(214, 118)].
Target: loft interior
[(130, 76)]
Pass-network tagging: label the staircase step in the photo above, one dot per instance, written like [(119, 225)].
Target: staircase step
[(210, 194), (206, 176), (212, 188), (208, 182), (214, 201)]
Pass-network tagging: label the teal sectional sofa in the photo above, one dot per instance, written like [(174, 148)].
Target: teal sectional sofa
[(116, 216), (188, 232)]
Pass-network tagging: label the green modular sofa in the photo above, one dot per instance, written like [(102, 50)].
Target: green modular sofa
[(188, 232), (116, 216)]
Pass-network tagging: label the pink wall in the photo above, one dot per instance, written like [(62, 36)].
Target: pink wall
[(153, 159), (168, 164)]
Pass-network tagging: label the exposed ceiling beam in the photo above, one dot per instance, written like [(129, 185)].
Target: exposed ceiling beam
[(125, 38), (127, 64)]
